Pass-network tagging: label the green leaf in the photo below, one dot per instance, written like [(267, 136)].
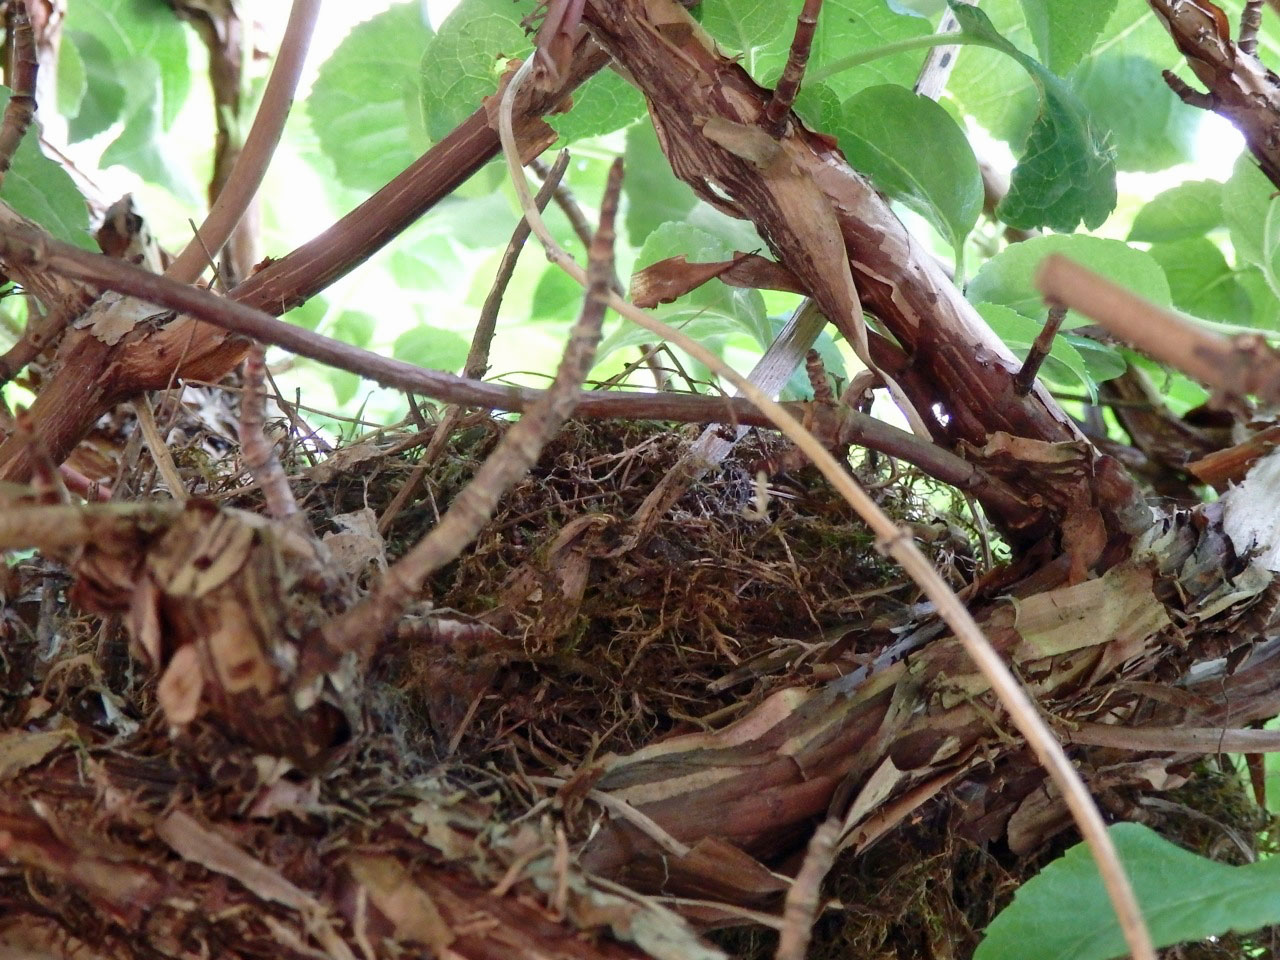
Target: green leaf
[(713, 309), (1064, 366), (605, 103), (556, 297), (1065, 32), (998, 93), (1007, 278), (1066, 173), (429, 347), (917, 154), (1266, 307), (364, 105), (463, 62), (654, 194), (354, 327), (39, 189), (1252, 212), (72, 84), (310, 315), (103, 99), (1188, 210), (138, 50), (1201, 282), (1064, 913), (990, 86), (1151, 128), (760, 31)]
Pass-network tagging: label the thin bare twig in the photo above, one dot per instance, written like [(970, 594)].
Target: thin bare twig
[(896, 542), (1026, 375), (258, 452), (363, 627), (478, 356), (23, 66), (477, 361), (784, 94), (803, 897), (1187, 93), (259, 145), (160, 454), (1203, 740), (1233, 367)]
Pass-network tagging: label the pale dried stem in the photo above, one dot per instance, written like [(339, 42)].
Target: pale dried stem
[(898, 543), (160, 454), (804, 895), (259, 146)]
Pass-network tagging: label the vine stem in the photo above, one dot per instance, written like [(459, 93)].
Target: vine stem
[(958, 38), (890, 539), (259, 146)]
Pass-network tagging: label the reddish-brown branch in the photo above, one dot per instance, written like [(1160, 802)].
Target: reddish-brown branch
[(804, 199), (784, 95), (1039, 350), (23, 68)]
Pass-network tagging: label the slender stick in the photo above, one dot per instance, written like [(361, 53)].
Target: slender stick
[(803, 896), (477, 361), (784, 94), (259, 146), (1202, 740), (21, 109), (896, 542), (1026, 375), (1234, 366), (160, 454), (362, 628), (258, 452), (482, 339)]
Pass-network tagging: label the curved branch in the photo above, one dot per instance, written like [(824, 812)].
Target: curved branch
[(264, 136)]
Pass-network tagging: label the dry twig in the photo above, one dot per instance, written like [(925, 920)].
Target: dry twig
[(1232, 367), (364, 626), (259, 146), (477, 361), (1039, 350)]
